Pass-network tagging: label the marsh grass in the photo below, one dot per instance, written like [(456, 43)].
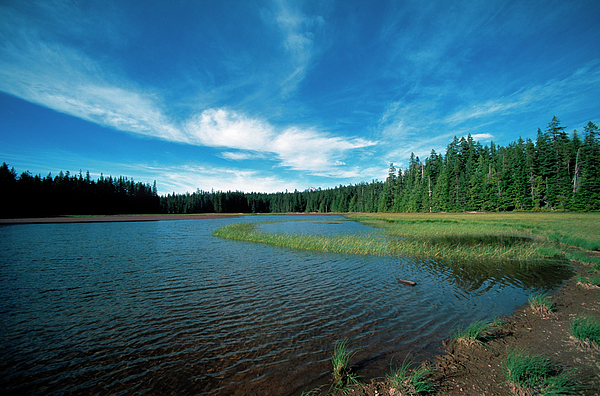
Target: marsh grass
[(527, 237), (343, 377), (536, 375), (476, 332), (541, 303), (587, 331), (407, 379), (339, 243)]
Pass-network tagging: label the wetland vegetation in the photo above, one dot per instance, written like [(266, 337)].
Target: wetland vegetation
[(526, 238)]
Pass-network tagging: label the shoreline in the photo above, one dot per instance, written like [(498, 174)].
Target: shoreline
[(477, 370), (143, 217), (114, 218)]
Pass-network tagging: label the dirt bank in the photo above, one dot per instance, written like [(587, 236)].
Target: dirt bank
[(477, 370)]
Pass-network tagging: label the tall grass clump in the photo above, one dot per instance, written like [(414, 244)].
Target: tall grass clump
[(541, 303), (475, 333), (587, 331), (343, 377), (536, 375), (406, 380)]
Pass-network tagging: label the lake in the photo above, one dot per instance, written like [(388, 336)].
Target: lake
[(163, 307)]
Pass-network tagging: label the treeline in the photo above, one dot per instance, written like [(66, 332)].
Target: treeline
[(26, 195), (557, 171)]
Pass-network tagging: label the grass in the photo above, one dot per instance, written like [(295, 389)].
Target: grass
[(475, 333), (593, 280), (536, 375), (343, 377), (340, 243), (587, 331), (406, 380), (541, 303), (526, 237)]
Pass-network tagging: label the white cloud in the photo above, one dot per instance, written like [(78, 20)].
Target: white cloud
[(222, 128), (237, 155), (313, 151), (192, 176), (295, 148), (483, 137)]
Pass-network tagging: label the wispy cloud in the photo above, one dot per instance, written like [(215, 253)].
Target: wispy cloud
[(65, 79), (300, 33)]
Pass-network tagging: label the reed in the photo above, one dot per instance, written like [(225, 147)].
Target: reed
[(536, 375), (587, 331)]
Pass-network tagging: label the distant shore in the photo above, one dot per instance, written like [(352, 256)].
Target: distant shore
[(107, 219), (145, 217)]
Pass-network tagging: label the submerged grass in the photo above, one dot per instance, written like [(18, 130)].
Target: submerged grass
[(587, 331), (527, 237), (536, 375)]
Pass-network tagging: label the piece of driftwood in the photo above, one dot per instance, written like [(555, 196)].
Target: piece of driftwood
[(407, 282)]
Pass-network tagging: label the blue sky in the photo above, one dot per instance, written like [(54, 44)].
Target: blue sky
[(273, 95)]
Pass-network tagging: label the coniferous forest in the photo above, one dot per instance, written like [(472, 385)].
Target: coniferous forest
[(557, 171)]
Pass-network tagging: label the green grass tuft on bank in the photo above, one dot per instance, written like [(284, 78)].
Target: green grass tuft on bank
[(536, 375), (343, 377), (541, 303), (406, 379), (476, 332), (586, 330)]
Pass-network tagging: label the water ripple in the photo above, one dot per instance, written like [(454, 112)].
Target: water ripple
[(164, 307)]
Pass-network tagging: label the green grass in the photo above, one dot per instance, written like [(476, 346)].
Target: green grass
[(500, 237), (541, 303), (593, 280), (586, 330), (475, 333), (342, 243), (343, 377), (536, 375), (407, 380)]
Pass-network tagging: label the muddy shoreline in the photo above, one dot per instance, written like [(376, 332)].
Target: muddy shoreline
[(478, 369)]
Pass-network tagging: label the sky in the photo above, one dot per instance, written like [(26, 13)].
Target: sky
[(268, 96)]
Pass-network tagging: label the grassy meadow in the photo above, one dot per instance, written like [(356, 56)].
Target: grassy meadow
[(452, 236)]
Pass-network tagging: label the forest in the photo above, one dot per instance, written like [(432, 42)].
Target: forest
[(26, 195), (557, 171)]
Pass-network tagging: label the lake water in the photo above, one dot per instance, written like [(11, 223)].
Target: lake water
[(164, 307)]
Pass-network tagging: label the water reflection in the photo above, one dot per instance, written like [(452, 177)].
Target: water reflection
[(164, 307)]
